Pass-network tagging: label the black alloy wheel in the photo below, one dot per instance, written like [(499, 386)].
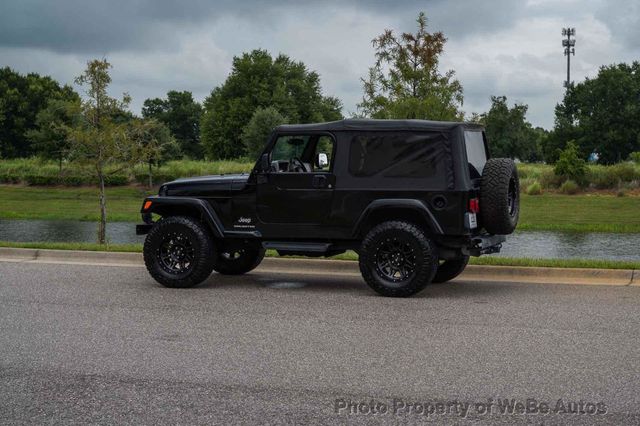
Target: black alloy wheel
[(179, 252), (395, 260), (176, 253)]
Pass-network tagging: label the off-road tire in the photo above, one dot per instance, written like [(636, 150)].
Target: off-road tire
[(423, 254), (500, 196), (449, 269), (238, 261), (191, 233)]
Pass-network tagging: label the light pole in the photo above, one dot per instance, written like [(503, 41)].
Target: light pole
[(568, 43)]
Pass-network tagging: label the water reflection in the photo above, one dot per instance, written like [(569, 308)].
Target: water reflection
[(66, 231), (564, 245), (538, 244)]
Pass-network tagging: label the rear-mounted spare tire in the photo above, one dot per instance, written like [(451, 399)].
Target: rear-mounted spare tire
[(500, 196)]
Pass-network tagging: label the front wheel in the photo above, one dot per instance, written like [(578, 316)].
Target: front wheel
[(449, 269), (397, 259), (178, 252), (238, 260)]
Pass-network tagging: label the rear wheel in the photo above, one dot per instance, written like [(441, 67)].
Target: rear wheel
[(397, 259), (178, 252), (238, 260), (449, 269)]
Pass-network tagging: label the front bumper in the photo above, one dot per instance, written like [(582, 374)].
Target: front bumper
[(144, 228), (484, 244)]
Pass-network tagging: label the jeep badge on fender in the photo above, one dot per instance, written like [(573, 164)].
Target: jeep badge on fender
[(413, 198)]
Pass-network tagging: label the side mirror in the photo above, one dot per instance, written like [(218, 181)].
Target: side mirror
[(323, 160), (264, 163)]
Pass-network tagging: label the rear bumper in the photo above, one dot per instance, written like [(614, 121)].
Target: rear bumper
[(484, 244)]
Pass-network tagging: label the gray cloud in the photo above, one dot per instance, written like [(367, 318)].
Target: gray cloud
[(498, 47)]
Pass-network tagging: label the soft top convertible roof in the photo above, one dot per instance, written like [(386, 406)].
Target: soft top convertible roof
[(373, 125)]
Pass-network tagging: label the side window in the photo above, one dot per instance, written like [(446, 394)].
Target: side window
[(397, 155), (324, 154), (288, 147), (302, 154), (476, 152), (288, 152)]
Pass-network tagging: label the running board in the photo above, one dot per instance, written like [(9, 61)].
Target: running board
[(285, 246)]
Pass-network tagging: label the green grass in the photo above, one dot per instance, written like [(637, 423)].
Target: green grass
[(123, 203), (485, 260), (580, 213), (35, 171)]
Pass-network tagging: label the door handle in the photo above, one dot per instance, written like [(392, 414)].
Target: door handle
[(319, 181)]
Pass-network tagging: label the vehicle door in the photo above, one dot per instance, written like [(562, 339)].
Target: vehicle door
[(298, 186)]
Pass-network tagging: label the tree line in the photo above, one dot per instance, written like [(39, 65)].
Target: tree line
[(600, 116), (260, 92)]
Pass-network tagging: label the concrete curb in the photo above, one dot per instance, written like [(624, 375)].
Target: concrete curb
[(70, 257), (529, 275), (585, 276)]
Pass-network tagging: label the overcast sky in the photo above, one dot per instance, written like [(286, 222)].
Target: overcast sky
[(496, 47)]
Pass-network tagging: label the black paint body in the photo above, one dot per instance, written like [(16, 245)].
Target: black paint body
[(335, 208)]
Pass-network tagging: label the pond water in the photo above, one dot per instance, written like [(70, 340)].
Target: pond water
[(536, 244)]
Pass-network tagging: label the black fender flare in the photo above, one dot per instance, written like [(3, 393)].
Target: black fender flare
[(412, 204), (162, 205)]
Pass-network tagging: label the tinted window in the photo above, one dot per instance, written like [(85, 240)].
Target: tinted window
[(476, 153), (397, 154)]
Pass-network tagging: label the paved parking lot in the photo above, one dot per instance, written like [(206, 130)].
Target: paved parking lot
[(107, 344)]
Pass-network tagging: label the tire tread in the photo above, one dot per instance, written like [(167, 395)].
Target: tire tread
[(203, 264), (493, 196), (423, 276)]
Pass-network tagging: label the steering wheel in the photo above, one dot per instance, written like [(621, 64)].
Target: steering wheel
[(297, 165)]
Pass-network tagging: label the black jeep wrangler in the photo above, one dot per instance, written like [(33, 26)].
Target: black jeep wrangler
[(413, 198)]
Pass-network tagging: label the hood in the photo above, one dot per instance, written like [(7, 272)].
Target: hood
[(205, 185)]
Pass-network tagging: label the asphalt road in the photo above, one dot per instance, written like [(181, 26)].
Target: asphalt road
[(106, 344)]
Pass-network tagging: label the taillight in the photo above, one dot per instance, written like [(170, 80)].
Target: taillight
[(474, 205)]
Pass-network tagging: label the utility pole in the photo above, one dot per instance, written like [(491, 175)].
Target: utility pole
[(568, 43)]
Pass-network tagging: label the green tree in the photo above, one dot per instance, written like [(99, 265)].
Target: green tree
[(152, 140), (601, 114), (257, 131), (536, 154), (508, 130), (49, 138), (259, 80), (98, 138), (405, 81), (23, 97), (570, 164), (1, 121), (181, 114)]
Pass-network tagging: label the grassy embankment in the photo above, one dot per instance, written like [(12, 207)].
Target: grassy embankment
[(555, 212), (36, 172), (486, 260), (622, 178)]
